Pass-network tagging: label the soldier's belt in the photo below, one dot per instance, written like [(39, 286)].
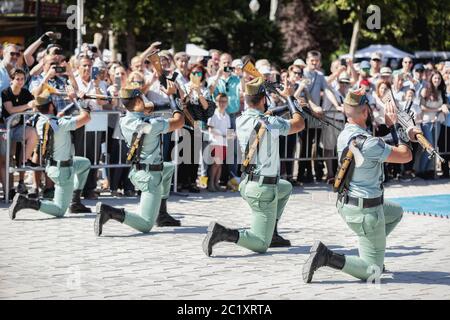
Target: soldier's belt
[(265, 180), (64, 163), (148, 167), (367, 203)]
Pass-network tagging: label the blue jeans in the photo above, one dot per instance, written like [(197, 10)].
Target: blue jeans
[(430, 131)]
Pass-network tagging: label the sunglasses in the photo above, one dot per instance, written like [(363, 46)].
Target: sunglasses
[(197, 73), (147, 62), (138, 82), (298, 73), (377, 60), (15, 54)]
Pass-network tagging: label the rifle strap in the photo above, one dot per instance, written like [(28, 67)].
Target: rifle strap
[(251, 151)]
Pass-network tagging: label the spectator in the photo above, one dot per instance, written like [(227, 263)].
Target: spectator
[(218, 126), (182, 64), (214, 62), (434, 109), (317, 85), (229, 84), (375, 64), (200, 108), (409, 104), (337, 117), (87, 144), (17, 99), (10, 56), (385, 75), (418, 82), (407, 65), (444, 142)]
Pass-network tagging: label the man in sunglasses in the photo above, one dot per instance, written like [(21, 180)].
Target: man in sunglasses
[(11, 55), (375, 64), (360, 197)]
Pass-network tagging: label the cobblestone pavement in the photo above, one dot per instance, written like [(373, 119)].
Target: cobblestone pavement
[(48, 258)]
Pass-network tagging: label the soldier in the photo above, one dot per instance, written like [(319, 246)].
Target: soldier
[(142, 134), (260, 185), (360, 200), (69, 173)]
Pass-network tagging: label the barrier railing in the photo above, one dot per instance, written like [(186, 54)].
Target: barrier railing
[(304, 148), (98, 124)]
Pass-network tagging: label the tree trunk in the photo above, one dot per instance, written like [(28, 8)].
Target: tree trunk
[(131, 44), (112, 38), (355, 37)]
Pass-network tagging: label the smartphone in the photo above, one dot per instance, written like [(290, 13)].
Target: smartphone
[(59, 69), (117, 82), (343, 62), (228, 69), (95, 72), (58, 52)]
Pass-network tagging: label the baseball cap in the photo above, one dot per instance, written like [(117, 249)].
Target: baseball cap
[(237, 63), (264, 69), (344, 77), (364, 65), (419, 66), (386, 71), (299, 63), (376, 55)]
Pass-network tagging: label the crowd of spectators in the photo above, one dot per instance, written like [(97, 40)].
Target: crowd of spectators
[(213, 87)]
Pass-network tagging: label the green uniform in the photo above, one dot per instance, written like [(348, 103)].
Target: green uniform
[(267, 201), (154, 185), (372, 225), (66, 179)]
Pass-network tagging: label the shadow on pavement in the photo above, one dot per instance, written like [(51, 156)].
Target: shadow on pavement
[(176, 230), (406, 277), (291, 250)]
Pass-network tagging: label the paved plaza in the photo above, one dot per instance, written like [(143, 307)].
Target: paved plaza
[(48, 258)]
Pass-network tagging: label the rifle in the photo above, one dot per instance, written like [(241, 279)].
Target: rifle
[(273, 87), (175, 101), (405, 120)]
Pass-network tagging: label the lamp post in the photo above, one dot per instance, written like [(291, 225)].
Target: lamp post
[(254, 6)]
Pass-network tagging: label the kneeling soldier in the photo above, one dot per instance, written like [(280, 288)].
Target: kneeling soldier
[(360, 186), (142, 135), (69, 173), (260, 185)]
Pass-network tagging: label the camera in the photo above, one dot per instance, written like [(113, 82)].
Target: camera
[(59, 69), (228, 69), (93, 48), (55, 36), (343, 62)]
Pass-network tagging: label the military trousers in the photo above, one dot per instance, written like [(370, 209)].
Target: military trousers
[(372, 226), (66, 180), (267, 203), (154, 186)]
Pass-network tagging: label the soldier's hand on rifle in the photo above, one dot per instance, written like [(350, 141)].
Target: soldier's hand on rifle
[(71, 93), (413, 133)]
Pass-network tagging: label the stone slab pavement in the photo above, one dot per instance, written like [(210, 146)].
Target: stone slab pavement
[(47, 258)]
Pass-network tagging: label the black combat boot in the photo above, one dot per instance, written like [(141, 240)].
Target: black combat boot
[(277, 240), (22, 202), (321, 256), (218, 233), (164, 219), (76, 206), (104, 213)]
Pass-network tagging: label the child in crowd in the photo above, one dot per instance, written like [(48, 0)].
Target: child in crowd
[(218, 126)]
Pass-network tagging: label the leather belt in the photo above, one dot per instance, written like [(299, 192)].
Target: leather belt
[(265, 180), (149, 167), (367, 203), (63, 163)]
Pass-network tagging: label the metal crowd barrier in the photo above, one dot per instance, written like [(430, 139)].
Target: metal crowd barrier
[(309, 154), (98, 124)]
